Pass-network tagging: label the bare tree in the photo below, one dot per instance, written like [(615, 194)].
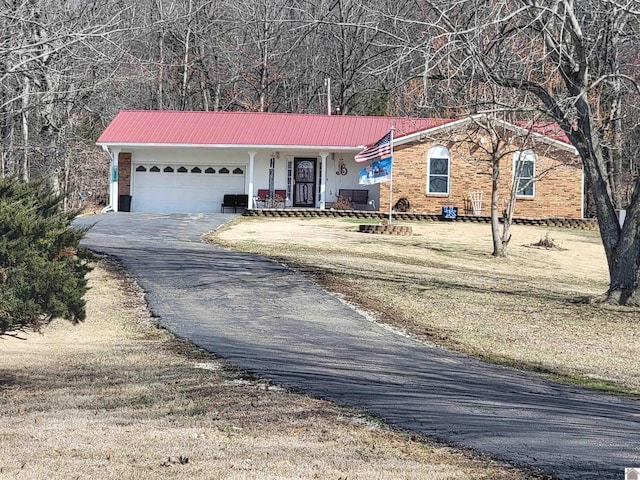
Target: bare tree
[(50, 66), (506, 148), (576, 63)]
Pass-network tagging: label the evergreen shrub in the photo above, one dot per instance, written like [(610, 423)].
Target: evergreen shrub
[(42, 271)]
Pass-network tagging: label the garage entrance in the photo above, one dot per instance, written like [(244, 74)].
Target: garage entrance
[(183, 188)]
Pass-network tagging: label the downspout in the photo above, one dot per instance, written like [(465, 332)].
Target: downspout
[(109, 207)]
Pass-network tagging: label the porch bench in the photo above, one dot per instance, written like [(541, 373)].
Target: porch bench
[(234, 201), (355, 197)]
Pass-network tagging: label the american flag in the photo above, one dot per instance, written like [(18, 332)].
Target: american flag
[(379, 150)]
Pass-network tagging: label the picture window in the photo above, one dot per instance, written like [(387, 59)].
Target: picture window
[(524, 173), (438, 170)]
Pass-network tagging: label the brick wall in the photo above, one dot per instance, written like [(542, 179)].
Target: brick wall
[(557, 194), (124, 173)]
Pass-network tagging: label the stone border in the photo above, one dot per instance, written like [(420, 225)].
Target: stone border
[(386, 229), (578, 223)]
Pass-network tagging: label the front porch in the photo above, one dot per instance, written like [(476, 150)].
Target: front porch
[(298, 180)]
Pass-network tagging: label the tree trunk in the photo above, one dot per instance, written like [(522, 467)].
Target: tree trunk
[(185, 72), (623, 256), (499, 249), (24, 171), (621, 244), (263, 76)]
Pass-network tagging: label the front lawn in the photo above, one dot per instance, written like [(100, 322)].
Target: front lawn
[(443, 285), (114, 397)]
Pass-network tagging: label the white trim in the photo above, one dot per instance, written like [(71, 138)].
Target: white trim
[(115, 172), (249, 179), (223, 145), (109, 206), (323, 176), (397, 141), (417, 135), (544, 138), (459, 123), (525, 156), (439, 157)]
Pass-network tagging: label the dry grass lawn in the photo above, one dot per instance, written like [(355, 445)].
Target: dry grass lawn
[(443, 285), (117, 398)]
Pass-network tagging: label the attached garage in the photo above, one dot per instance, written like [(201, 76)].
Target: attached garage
[(186, 162), (179, 188)]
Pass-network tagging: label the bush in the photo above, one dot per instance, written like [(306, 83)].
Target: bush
[(343, 203), (42, 274)]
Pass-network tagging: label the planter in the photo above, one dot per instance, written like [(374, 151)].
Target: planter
[(386, 229)]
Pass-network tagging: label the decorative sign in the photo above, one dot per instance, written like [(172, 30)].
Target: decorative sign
[(342, 168), (114, 175), (449, 213)]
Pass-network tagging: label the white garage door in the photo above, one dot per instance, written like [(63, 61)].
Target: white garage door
[(183, 188)]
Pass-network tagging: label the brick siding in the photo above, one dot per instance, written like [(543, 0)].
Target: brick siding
[(557, 194), (124, 173)]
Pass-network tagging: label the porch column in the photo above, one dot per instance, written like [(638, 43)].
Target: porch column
[(252, 157), (114, 179), (323, 179)]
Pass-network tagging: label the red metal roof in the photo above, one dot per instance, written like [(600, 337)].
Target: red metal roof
[(548, 129), (245, 128)]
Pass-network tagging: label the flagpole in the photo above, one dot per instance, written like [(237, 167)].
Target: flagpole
[(393, 129)]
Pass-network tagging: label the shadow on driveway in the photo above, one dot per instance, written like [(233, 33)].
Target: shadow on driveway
[(266, 319)]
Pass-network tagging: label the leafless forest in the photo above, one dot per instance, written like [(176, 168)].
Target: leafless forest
[(68, 66)]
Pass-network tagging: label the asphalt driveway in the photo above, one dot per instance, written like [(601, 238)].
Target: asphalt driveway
[(266, 319)]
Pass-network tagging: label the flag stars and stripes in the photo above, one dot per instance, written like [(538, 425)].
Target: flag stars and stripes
[(379, 150)]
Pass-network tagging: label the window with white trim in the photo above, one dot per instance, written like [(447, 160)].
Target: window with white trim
[(438, 163), (524, 173), (289, 179)]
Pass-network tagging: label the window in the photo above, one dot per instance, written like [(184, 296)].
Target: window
[(168, 170), (238, 171), (209, 170), (438, 161), (289, 179), (223, 170), (524, 173), (141, 168), (182, 170), (154, 169), (196, 170)]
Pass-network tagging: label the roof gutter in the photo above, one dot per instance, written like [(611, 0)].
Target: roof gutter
[(341, 148)]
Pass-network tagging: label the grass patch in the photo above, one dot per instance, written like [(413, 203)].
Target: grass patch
[(117, 398), (443, 286)]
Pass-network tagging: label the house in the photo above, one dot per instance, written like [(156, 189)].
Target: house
[(171, 161)]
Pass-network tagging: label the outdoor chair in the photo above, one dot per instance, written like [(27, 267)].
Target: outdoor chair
[(264, 199), (242, 202), (229, 201)]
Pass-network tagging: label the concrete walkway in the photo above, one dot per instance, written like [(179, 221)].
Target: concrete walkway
[(268, 320)]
